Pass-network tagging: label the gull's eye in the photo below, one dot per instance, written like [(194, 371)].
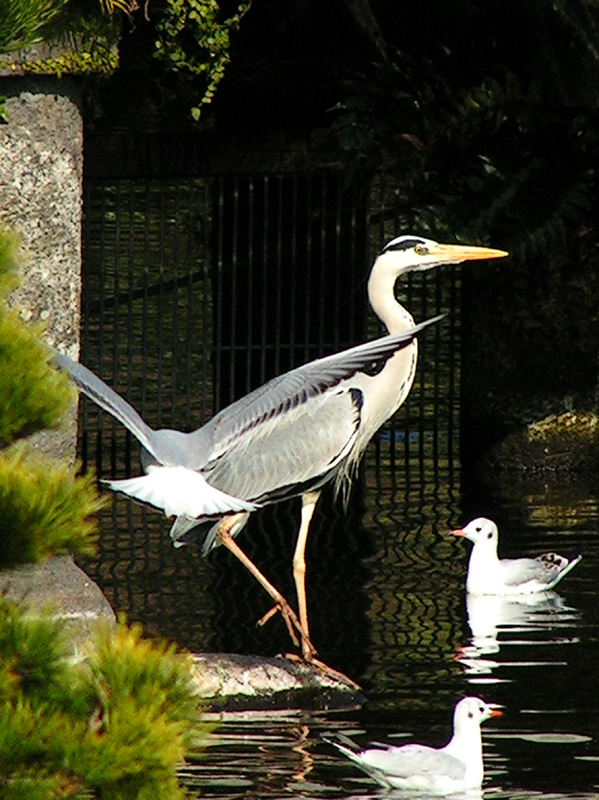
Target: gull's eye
[(478, 530), (421, 250), (489, 535)]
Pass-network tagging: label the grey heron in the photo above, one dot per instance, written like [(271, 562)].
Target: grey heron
[(489, 574), (454, 768), (288, 438)]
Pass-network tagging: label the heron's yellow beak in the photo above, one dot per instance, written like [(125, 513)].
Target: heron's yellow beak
[(456, 253)]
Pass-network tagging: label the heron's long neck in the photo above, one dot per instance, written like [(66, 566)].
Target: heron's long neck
[(381, 285)]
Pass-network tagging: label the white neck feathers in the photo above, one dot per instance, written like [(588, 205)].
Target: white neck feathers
[(381, 286)]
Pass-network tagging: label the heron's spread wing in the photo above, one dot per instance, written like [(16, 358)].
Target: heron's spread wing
[(107, 398), (284, 395), (291, 452), (414, 759)]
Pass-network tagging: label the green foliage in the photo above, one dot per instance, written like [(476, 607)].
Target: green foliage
[(194, 39), (94, 57), (22, 21), (123, 6), (82, 39), (9, 257), (485, 151), (44, 509), (115, 725), (33, 395)]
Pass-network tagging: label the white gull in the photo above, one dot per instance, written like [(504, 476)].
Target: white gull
[(454, 768), (489, 574)]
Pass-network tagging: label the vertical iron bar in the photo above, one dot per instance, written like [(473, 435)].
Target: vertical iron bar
[(160, 321), (308, 268), (175, 343), (129, 350), (218, 316), (422, 379), (453, 367), (115, 333), (293, 267), (233, 267), (250, 285), (323, 266), (145, 337), (336, 266), (278, 268), (265, 256), (437, 367), (191, 312), (207, 290), (352, 234)]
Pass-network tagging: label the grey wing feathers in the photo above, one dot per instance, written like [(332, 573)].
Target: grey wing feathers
[(520, 570), (414, 759), (283, 456), (106, 398), (296, 387), (547, 568)]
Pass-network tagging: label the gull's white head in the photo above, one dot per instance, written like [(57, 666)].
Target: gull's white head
[(471, 712), (481, 531)]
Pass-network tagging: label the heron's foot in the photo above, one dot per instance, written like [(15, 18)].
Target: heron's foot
[(293, 626), (325, 669)]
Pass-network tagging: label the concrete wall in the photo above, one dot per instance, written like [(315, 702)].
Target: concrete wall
[(41, 155)]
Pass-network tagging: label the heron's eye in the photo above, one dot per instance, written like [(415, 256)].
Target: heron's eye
[(421, 250), (489, 536)]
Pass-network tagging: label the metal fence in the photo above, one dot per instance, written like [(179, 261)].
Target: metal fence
[(194, 292)]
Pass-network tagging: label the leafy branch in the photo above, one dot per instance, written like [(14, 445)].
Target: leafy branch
[(193, 38)]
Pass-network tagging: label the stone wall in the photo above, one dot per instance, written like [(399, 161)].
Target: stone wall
[(41, 154)]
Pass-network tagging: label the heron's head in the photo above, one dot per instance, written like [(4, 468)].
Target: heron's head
[(480, 531), (415, 254)]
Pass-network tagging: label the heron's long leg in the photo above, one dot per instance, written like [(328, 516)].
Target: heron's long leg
[(290, 617), (309, 501)]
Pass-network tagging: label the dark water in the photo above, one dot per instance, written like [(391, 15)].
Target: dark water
[(385, 581), (390, 610)]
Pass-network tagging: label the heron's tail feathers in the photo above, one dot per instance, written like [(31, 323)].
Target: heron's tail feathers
[(179, 491)]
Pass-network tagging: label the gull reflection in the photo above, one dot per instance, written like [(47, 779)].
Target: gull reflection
[(499, 620)]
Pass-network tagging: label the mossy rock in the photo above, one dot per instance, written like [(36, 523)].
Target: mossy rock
[(567, 442)]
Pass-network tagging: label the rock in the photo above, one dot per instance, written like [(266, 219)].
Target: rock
[(59, 585), (224, 681), (566, 442), (229, 681)]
